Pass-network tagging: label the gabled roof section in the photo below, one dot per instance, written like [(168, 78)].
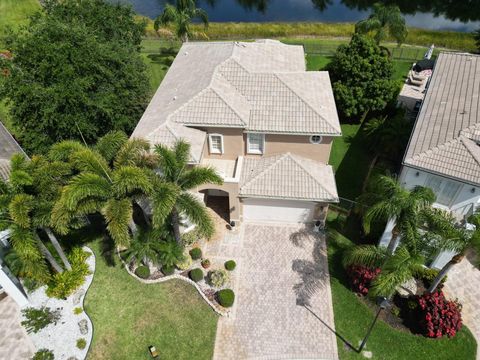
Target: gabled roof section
[(168, 133), (271, 177), (448, 125)]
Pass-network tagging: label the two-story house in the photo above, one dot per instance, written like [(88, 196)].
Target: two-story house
[(443, 153), (253, 112)]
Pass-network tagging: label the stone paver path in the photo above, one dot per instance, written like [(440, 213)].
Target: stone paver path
[(14, 341), (463, 282), (281, 270)]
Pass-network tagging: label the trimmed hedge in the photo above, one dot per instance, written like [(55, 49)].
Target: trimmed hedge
[(196, 253), (196, 274), (142, 272), (168, 270), (230, 265), (226, 297)]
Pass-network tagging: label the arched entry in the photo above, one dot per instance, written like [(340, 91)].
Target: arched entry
[(218, 201)]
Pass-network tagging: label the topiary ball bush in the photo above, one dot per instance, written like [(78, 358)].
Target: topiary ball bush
[(196, 253), (81, 343), (226, 297), (230, 265), (43, 354), (217, 278), (168, 270), (142, 272), (196, 274)]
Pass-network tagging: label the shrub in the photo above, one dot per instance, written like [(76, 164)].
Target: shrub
[(217, 278), (37, 319), (142, 272), (190, 238), (226, 297), (81, 343), (184, 263), (168, 270), (428, 276), (196, 253), (196, 274), (64, 284), (43, 354), (77, 310), (438, 316), (230, 265), (361, 278)]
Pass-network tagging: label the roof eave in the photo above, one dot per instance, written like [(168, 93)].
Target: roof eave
[(405, 163)]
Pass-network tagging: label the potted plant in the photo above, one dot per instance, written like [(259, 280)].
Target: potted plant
[(205, 263)]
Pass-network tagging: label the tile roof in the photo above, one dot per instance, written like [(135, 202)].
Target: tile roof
[(258, 86), (447, 129), (8, 147), (271, 177)]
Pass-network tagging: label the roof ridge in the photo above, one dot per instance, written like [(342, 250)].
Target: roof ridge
[(269, 167), (276, 74), (186, 103), (295, 159), (226, 102)]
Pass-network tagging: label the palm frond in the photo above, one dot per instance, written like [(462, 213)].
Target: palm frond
[(63, 150), (182, 152), (135, 152), (366, 255), (20, 179), (88, 160), (163, 199), (20, 208), (197, 213), (118, 214), (109, 144), (199, 176), (85, 186), (202, 16), (168, 16), (167, 162), (128, 180)]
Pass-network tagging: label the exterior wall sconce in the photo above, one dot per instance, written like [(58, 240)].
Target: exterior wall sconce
[(417, 174), (472, 190)]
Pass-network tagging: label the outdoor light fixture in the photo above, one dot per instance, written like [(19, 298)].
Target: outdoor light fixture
[(232, 224), (383, 303), (472, 190), (417, 174)]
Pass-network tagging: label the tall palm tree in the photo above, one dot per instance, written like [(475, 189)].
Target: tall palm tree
[(108, 184), (171, 196), (388, 200), (181, 16), (384, 20)]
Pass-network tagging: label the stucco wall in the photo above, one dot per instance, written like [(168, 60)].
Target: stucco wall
[(233, 146), (234, 202)]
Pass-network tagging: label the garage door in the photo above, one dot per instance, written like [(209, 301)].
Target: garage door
[(277, 210)]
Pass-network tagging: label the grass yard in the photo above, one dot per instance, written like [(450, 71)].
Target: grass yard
[(14, 13), (353, 317), (129, 316)]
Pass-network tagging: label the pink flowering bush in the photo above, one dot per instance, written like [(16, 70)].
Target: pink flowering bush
[(361, 278), (438, 316)]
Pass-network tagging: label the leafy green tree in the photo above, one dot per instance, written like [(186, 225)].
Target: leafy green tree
[(385, 20), (171, 197), (76, 68), (145, 247), (110, 180), (388, 200), (181, 16), (361, 75)]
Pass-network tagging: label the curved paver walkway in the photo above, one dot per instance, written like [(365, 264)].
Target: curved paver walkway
[(280, 269), (14, 341), (463, 282)]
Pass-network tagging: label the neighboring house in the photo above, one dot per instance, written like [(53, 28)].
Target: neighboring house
[(443, 153), (253, 112), (8, 282)]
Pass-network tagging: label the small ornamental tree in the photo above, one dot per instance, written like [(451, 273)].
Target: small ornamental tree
[(438, 316), (361, 277), (361, 75)]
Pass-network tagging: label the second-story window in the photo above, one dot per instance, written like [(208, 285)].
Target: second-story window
[(315, 139), (215, 142), (255, 143)]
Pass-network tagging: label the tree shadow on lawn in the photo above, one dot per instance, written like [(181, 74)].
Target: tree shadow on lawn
[(353, 168)]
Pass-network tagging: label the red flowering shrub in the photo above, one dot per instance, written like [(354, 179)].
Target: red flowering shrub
[(438, 316), (361, 277)]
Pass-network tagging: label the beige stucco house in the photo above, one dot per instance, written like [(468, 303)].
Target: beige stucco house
[(253, 112)]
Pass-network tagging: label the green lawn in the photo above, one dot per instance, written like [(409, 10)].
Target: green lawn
[(352, 318), (128, 316), (14, 13)]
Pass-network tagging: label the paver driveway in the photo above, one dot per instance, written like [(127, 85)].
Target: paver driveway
[(280, 269)]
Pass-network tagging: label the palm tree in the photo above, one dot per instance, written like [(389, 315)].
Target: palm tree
[(385, 136), (385, 20), (171, 196), (145, 247), (388, 200), (107, 183), (181, 15)]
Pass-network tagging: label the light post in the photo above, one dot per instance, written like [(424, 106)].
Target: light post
[(383, 303)]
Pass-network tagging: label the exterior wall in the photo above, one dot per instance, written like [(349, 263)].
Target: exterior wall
[(297, 144), (233, 200), (233, 146), (12, 286)]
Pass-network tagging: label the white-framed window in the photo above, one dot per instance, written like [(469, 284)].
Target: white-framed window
[(444, 189), (255, 143), (215, 142), (316, 139)]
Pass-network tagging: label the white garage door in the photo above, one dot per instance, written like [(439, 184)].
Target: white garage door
[(277, 210)]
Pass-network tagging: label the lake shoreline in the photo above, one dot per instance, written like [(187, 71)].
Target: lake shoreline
[(316, 30)]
